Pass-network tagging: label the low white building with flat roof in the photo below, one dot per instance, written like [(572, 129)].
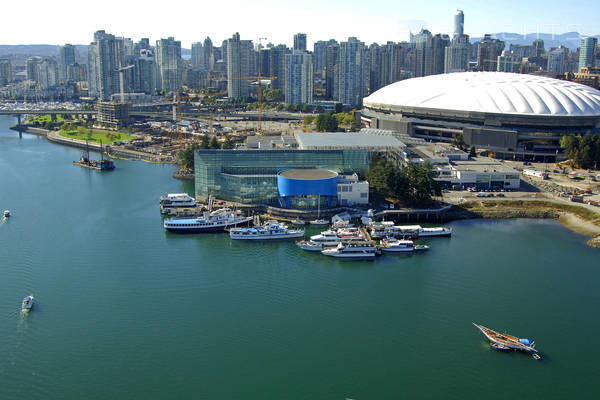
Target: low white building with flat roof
[(347, 140), (351, 191), (485, 173)]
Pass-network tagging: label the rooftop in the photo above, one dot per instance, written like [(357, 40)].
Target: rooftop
[(308, 174), (490, 92), (346, 140), (483, 164)]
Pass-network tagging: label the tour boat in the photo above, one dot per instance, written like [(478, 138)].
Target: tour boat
[(397, 246), (504, 339), (176, 200), (27, 303), (438, 231), (7, 213), (352, 250), (269, 231), (216, 221), (387, 228)]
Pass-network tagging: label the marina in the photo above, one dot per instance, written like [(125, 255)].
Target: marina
[(271, 301)]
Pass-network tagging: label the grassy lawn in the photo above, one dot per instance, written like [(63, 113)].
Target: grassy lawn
[(97, 135), (45, 118)]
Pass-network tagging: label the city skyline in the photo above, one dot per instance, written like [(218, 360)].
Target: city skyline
[(338, 20)]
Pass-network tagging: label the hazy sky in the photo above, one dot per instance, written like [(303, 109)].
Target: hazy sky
[(69, 21)]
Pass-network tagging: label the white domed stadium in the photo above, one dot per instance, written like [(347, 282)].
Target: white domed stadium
[(514, 115)]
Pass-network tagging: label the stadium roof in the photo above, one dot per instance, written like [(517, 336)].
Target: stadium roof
[(490, 92), (345, 140)]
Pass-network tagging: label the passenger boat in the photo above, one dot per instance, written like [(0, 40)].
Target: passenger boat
[(176, 200), (352, 250), (392, 245), (387, 228), (506, 340), (27, 303), (269, 231), (6, 213), (438, 231), (216, 221)]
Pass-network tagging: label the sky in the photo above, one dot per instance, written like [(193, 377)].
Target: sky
[(69, 21)]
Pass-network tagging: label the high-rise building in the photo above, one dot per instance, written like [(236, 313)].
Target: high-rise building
[(76, 72), (169, 64), (488, 52), (145, 73), (352, 71), (5, 71), (66, 58), (104, 58), (457, 54), (277, 65), (238, 66), (197, 58), (31, 67), (298, 78), (319, 55), (459, 23), (208, 54), (557, 60), (507, 62), (439, 43), (300, 42), (587, 52), (422, 47), (331, 64), (47, 73)]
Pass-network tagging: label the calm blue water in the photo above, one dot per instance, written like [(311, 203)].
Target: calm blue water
[(125, 310)]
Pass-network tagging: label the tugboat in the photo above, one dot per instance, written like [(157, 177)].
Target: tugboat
[(27, 303)]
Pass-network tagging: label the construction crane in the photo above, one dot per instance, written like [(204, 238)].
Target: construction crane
[(259, 80), (176, 101), (120, 70)]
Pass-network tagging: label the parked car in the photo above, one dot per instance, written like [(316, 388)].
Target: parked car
[(481, 194)]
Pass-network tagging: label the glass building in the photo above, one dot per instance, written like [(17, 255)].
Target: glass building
[(250, 176)]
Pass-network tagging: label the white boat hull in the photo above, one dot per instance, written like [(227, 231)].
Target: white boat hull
[(355, 256), (294, 235)]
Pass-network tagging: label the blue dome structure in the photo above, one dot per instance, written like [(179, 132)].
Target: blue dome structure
[(307, 188)]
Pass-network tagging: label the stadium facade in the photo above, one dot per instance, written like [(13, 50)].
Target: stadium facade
[(515, 116)]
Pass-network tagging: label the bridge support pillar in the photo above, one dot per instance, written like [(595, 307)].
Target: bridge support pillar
[(53, 117), (19, 126)]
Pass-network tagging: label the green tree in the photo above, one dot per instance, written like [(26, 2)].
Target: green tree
[(213, 143), (319, 109), (227, 143), (306, 108), (204, 142), (326, 123), (279, 107), (309, 119), (459, 141)]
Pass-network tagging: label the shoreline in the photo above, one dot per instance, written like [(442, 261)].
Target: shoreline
[(566, 215)]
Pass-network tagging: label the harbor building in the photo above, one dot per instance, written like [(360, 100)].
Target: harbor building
[(514, 116), (307, 188), (251, 176)]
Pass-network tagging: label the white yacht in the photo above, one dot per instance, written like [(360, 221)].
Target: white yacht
[(352, 250), (397, 246), (27, 303), (313, 246), (319, 221), (176, 200), (215, 221), (269, 231)]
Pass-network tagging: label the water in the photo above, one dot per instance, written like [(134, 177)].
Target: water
[(125, 310)]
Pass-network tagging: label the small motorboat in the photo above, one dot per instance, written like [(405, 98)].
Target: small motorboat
[(536, 356), (499, 347), (27, 303), (298, 221), (421, 247), (6, 213), (319, 221)]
